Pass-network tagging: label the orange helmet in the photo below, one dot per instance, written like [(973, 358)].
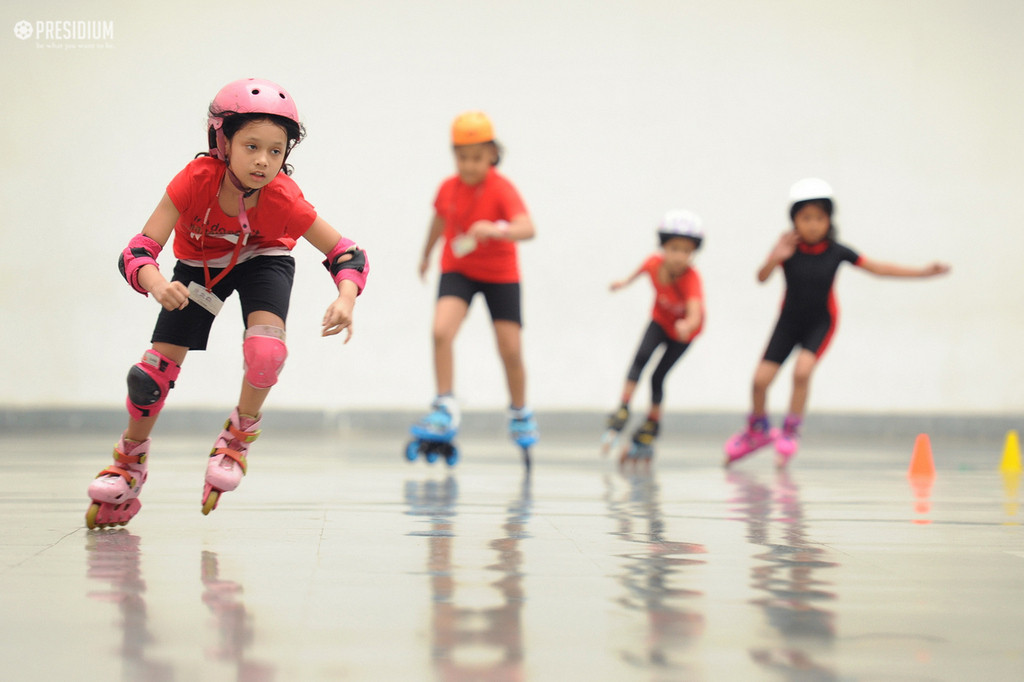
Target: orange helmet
[(472, 127)]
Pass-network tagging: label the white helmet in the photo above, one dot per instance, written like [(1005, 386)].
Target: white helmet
[(681, 224), (808, 189)]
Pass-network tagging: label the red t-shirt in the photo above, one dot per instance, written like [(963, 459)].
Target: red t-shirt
[(204, 232), (461, 205), (670, 299)]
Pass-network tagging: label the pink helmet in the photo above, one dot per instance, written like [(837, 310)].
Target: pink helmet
[(247, 96)]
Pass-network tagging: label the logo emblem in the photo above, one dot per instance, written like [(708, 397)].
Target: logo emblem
[(23, 30)]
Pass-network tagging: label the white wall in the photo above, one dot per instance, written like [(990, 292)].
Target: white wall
[(611, 114)]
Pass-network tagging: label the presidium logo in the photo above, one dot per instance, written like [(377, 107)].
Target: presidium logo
[(65, 30)]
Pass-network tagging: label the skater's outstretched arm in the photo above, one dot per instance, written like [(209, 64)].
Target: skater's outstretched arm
[(894, 270), (433, 234), (784, 249), (171, 295), (339, 313), (619, 283)]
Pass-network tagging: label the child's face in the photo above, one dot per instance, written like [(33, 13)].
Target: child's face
[(678, 253), (256, 153), (811, 223), (473, 161)]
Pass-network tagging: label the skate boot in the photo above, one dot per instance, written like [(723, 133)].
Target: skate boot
[(227, 464), (522, 429), (115, 492), (432, 436), (788, 441), (757, 434), (642, 446), (614, 424)]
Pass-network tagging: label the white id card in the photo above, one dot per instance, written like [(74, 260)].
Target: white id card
[(463, 245), (199, 294)]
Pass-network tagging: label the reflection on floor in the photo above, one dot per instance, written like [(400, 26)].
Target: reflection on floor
[(472, 643), (648, 571), (113, 558), (338, 560), (793, 593), (232, 621)]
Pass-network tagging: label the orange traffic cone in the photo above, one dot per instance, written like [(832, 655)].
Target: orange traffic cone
[(921, 463), (922, 475)]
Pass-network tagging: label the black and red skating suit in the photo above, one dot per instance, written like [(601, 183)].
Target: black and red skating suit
[(809, 312)]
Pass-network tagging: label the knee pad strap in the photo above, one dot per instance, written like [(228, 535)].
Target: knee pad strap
[(149, 381), (264, 352)]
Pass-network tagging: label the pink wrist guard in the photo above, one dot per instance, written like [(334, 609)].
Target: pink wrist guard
[(355, 269), (141, 250)]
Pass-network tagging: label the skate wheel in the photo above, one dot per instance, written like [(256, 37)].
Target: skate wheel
[(412, 451), (452, 456), (90, 516), (210, 503), (432, 454)]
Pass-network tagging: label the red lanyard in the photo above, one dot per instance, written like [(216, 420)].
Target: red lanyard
[(243, 237)]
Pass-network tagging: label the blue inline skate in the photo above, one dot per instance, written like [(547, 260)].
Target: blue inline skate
[(522, 429), (642, 447), (615, 422), (434, 435)]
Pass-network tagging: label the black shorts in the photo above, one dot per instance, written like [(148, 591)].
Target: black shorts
[(811, 333), (263, 283), (503, 299)]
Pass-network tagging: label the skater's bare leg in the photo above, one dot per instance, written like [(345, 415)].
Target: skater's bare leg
[(805, 364), (139, 430), (509, 340), (448, 317), (763, 378), (627, 391)]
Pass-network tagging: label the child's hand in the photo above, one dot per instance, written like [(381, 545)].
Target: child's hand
[(786, 247), (171, 295), (424, 266), (684, 330), (339, 316), (618, 284), (482, 230), (933, 269)]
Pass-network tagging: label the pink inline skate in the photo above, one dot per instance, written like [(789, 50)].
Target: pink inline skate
[(757, 435), (115, 492), (227, 463), (788, 441)]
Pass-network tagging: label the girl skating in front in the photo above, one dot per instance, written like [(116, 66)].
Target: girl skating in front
[(236, 215), (810, 257), (677, 319), (481, 216)]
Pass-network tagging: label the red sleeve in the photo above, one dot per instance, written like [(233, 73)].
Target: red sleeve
[(180, 189), (301, 219), (443, 198), (511, 203), (694, 289), (651, 265)]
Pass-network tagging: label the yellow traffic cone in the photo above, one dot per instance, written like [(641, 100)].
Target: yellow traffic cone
[(1011, 454)]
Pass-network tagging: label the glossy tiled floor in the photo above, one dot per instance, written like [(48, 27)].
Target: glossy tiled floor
[(336, 560)]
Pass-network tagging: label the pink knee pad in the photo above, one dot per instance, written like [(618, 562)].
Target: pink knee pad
[(264, 352), (149, 381)]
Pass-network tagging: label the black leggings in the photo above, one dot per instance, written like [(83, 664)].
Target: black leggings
[(654, 337)]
